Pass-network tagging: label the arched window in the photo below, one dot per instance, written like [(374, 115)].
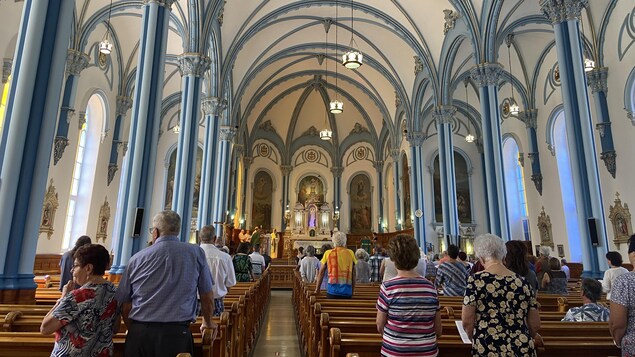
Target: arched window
[(515, 187), (566, 186), (83, 179), (4, 98)]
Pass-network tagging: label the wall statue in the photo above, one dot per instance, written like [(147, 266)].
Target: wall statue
[(620, 217), (544, 227), (104, 217), (48, 210)]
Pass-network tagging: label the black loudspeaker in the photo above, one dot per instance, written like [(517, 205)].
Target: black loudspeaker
[(593, 231), (138, 222)]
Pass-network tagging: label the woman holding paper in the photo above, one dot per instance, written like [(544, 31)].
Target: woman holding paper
[(500, 312)]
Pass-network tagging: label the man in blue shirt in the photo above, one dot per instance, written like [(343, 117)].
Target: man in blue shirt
[(158, 292)]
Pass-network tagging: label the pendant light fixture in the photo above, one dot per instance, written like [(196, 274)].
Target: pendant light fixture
[(326, 134), (513, 106), (589, 64), (105, 46), (336, 106), (469, 137), (353, 58)]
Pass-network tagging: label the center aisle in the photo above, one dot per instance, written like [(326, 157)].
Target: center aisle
[(278, 332)]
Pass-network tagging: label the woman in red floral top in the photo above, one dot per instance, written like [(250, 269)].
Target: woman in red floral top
[(84, 320)]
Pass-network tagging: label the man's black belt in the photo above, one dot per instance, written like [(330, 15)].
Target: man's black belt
[(175, 323)]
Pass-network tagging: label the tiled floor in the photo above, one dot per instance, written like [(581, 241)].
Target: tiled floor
[(278, 336)]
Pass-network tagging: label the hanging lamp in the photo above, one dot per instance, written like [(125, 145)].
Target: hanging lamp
[(589, 64), (353, 58), (326, 134), (105, 46), (336, 106), (469, 137), (514, 109)]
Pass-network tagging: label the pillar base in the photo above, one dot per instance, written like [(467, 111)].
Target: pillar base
[(114, 278), (18, 297)]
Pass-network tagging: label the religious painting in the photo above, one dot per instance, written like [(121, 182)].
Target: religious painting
[(620, 216), (51, 203), (169, 189), (405, 179), (261, 200), (311, 189), (361, 204), (463, 198)]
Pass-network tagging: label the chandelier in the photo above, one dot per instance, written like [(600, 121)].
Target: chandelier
[(513, 106), (353, 58), (336, 106), (326, 134), (105, 46), (469, 137)]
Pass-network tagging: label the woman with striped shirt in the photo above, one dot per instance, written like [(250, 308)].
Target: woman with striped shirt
[(408, 307)]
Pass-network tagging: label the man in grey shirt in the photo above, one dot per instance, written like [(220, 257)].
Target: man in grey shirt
[(158, 292)]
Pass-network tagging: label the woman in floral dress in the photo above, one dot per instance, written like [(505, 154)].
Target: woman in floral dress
[(242, 263), (499, 308)]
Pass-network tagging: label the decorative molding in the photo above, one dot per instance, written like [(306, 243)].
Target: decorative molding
[(213, 105), (311, 131), (394, 154), (165, 3), (597, 79), (247, 161), (551, 149), (124, 147), (601, 128), (193, 64), (416, 138), (81, 120), (102, 226), (112, 169), (6, 69), (286, 169), (76, 62), (444, 114), (532, 156), (530, 118), (450, 18), (521, 159), (59, 146), (486, 74), (562, 10), (397, 100), (123, 105), (51, 203), (359, 129), (537, 179), (70, 113), (609, 161), (620, 217), (337, 171), (221, 14), (378, 165), (418, 64), (227, 133), (631, 116), (320, 58), (267, 126), (626, 37), (545, 229)]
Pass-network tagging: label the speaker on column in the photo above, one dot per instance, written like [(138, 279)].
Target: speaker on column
[(138, 222), (593, 231)]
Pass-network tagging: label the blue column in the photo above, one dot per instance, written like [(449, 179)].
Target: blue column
[(379, 168), (487, 75), (247, 161), (597, 81), (138, 173), (221, 181), (286, 173), (416, 187), (27, 139), (123, 105), (444, 118), (235, 163), (395, 154), (192, 67), (212, 109), (337, 193), (76, 62), (586, 180), (530, 117)]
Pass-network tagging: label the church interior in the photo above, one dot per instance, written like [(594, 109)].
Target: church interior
[(445, 119)]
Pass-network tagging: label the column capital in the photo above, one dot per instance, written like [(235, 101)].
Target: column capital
[(81, 121), (597, 79), (193, 64), (562, 10), (486, 74), (337, 171), (394, 154), (631, 116), (286, 169), (123, 105), (247, 161), (6, 69), (227, 133), (213, 105), (416, 138), (444, 114), (164, 3), (530, 118), (76, 62), (378, 165)]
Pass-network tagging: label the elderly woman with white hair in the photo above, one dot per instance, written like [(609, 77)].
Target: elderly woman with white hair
[(340, 263), (499, 308), (362, 268)]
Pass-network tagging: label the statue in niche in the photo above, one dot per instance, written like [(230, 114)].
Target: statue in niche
[(620, 216), (49, 208), (104, 217), (311, 190), (544, 227)]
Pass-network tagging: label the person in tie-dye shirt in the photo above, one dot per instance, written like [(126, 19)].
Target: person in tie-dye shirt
[(340, 263)]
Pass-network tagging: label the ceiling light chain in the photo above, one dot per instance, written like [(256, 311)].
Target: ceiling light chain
[(326, 134), (514, 109), (469, 137), (336, 106), (589, 64), (105, 46)]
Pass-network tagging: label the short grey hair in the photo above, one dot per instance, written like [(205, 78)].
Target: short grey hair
[(489, 246), (310, 251), (545, 250), (167, 222), (207, 234), (361, 254), (339, 239)]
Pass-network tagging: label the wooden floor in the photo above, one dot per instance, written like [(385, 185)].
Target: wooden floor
[(278, 335)]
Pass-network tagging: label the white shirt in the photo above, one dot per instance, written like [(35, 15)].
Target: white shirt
[(258, 262), (308, 268), (609, 277), (566, 271), (390, 271), (222, 268)]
